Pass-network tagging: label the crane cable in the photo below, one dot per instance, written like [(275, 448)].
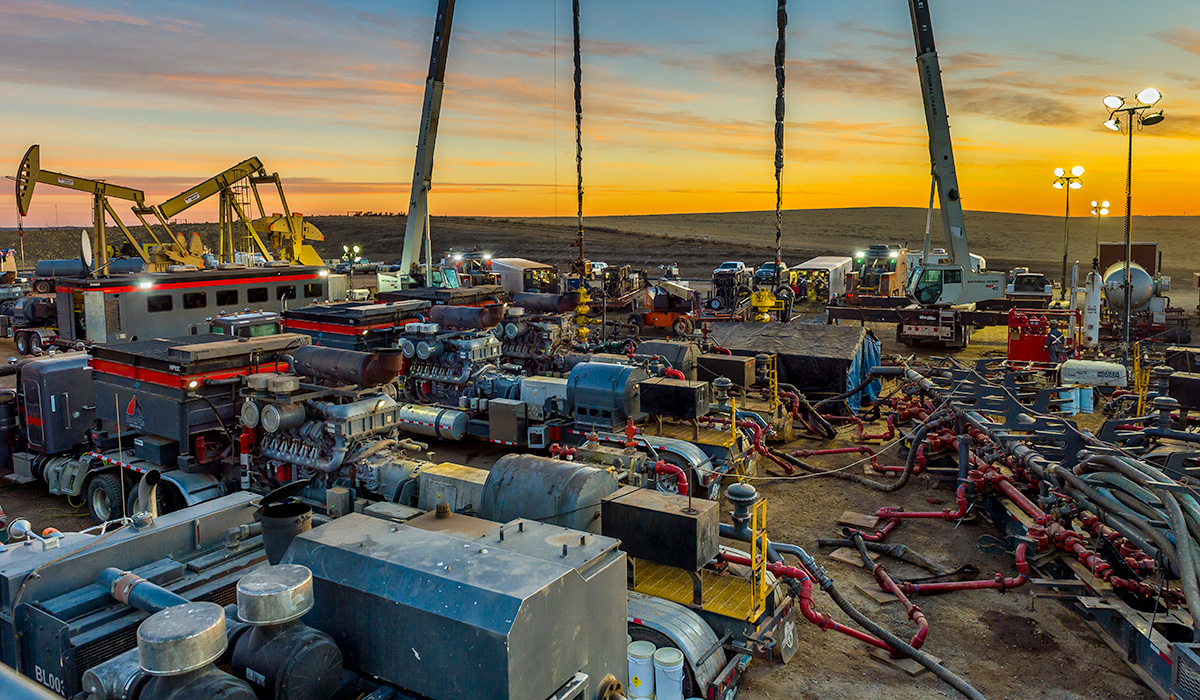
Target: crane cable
[(580, 259), (780, 60)]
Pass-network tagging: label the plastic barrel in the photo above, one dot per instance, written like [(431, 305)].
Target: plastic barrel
[(1087, 400), (641, 669), (1069, 402), (668, 674)]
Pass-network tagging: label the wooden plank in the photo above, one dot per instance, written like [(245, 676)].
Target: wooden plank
[(1097, 584), (861, 521), (912, 668), (879, 597), (847, 555)]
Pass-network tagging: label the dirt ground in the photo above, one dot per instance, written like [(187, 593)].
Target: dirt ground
[(1009, 645), (1015, 645)]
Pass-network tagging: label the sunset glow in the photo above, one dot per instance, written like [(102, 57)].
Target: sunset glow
[(678, 100)]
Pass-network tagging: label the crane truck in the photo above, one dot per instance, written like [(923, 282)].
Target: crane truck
[(943, 291)]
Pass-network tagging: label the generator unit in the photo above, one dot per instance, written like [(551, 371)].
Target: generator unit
[(183, 391), (604, 396), (353, 325)]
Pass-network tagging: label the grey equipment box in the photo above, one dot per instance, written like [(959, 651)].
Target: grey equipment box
[(506, 422), (513, 614), (658, 526), (677, 398), (457, 485), (736, 368)]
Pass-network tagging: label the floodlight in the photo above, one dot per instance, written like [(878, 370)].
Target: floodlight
[(1059, 172), (1113, 124), (1105, 204), (1095, 204), (1149, 96), (1076, 185), (1077, 170), (1104, 212), (1057, 185), (1114, 102), (1153, 118)]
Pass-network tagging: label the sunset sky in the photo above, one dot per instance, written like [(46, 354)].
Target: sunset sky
[(678, 102)]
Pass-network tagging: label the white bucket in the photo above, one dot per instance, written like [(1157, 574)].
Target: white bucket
[(668, 674), (641, 669)]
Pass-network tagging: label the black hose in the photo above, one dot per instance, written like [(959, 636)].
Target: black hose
[(825, 427), (954, 680), (886, 487), (899, 552), (842, 397)]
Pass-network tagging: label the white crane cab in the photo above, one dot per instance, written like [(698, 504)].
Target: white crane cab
[(953, 285)]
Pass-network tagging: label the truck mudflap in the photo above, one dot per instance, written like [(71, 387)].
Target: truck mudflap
[(687, 630), (195, 488)]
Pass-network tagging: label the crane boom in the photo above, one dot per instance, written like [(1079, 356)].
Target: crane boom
[(953, 281), (937, 121), (416, 229)]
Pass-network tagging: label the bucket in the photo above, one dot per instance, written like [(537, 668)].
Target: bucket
[(641, 669), (668, 674)]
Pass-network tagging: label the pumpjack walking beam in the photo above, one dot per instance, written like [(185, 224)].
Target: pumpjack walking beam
[(30, 173), (221, 185)]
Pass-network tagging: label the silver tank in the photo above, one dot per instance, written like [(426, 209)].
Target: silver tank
[(432, 421), (1144, 286), (551, 491)]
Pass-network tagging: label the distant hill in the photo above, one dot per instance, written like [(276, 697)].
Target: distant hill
[(697, 242)]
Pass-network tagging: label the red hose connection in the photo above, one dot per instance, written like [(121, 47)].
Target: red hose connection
[(661, 467)]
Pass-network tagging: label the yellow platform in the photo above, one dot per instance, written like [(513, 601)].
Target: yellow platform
[(725, 595)]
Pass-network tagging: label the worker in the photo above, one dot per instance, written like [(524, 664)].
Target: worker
[(1056, 343)]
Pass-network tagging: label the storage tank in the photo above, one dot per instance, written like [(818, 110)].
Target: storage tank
[(1144, 287), (74, 267), (552, 491)]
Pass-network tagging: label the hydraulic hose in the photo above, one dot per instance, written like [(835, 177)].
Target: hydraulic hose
[(954, 680), (917, 438), (1144, 475), (871, 377)]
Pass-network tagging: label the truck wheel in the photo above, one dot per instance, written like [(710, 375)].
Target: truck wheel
[(660, 640), (164, 495), (42, 287), (35, 341), (104, 497), (22, 341)]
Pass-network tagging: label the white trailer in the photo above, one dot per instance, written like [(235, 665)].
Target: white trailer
[(824, 277)]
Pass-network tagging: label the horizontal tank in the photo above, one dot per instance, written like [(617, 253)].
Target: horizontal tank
[(1144, 286), (431, 421), (467, 317), (567, 494), (74, 267), (537, 303)]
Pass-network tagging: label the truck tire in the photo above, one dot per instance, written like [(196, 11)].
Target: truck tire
[(43, 287), (21, 338), (660, 640), (104, 497), (168, 502)]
